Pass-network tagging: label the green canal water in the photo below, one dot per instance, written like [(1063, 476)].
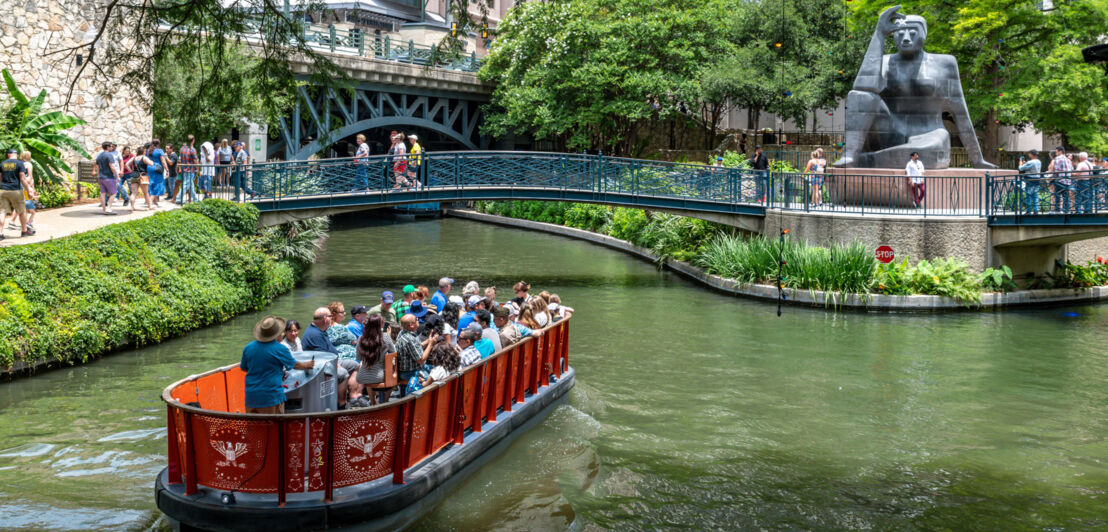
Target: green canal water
[(692, 409)]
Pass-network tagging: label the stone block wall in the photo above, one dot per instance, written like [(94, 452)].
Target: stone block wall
[(32, 29)]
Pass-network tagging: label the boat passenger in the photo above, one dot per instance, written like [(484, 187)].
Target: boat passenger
[(445, 360), (540, 310), (358, 316), (474, 303), (418, 310), (469, 355), (483, 345), (488, 333), (521, 288), (373, 345), (385, 309), (424, 294), (264, 361), (557, 309), (340, 336), (409, 294), (292, 336), (527, 317), (450, 314), (511, 332), (315, 339), (409, 352), (490, 294), (471, 289), (439, 299)]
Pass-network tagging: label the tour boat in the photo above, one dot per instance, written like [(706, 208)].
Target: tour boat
[(380, 467)]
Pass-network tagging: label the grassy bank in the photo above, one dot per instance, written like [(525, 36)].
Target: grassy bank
[(140, 282), (849, 268)]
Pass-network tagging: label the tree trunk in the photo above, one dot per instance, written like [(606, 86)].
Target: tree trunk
[(992, 133), (673, 133)]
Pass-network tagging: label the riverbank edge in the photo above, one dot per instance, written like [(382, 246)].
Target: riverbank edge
[(811, 298), (21, 369)]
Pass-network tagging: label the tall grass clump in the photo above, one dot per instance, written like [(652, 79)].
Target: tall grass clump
[(840, 268)]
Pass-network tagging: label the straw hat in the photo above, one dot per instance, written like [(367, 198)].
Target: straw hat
[(269, 329)]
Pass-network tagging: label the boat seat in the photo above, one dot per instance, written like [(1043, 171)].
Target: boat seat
[(390, 374)]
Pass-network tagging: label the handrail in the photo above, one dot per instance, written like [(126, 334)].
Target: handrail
[(1048, 194), (216, 446)]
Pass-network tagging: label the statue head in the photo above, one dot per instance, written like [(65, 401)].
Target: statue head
[(910, 34)]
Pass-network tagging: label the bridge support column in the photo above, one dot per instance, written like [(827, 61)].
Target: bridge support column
[(1037, 260)]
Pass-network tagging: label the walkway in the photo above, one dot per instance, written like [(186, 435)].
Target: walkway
[(65, 221)]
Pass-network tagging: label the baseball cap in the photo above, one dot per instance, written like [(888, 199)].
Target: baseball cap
[(719, 158), (475, 327), (473, 300), (457, 300), (13, 150), (386, 296), (445, 281), (358, 309), (409, 289), (413, 137)]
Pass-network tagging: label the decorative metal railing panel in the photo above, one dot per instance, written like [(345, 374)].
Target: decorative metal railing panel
[(1054, 198)]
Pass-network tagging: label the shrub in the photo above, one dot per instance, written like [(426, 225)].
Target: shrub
[(131, 283), (297, 242), (239, 219), (840, 268), (948, 277), (92, 190), (587, 216), (55, 196), (997, 279)]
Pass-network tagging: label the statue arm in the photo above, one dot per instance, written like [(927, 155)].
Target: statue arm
[(955, 104), (870, 76)]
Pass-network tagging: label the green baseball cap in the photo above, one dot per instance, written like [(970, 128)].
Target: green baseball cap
[(409, 289)]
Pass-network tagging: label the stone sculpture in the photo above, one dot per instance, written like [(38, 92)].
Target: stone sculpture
[(898, 101)]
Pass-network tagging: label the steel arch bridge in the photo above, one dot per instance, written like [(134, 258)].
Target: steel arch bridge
[(324, 116)]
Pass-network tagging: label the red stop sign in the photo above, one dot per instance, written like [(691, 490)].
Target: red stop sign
[(885, 254)]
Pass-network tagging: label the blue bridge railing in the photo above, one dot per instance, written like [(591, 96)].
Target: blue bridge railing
[(459, 176)]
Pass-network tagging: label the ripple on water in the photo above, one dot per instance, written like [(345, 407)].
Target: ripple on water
[(27, 450), (28, 515), (134, 435), (109, 462)]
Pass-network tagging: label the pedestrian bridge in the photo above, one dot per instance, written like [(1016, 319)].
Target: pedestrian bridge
[(968, 208)]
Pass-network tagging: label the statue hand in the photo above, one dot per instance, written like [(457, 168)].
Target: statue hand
[(886, 23)]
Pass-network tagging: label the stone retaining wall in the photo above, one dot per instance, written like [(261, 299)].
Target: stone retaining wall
[(31, 29), (872, 302)]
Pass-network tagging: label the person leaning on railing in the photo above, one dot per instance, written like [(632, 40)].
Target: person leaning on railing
[(1030, 171), (1062, 167), (1083, 183)]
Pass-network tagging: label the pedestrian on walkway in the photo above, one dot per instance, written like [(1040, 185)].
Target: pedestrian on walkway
[(760, 164), (29, 194), (225, 156), (13, 179), (1083, 183), (814, 169), (415, 159), (242, 159), (171, 184), (1030, 172), (155, 170), (140, 184), (108, 177), (118, 157), (914, 170), (186, 175), (207, 168)]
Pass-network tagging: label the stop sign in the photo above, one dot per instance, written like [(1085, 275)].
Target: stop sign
[(885, 254)]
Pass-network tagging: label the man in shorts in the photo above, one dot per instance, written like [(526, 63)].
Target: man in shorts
[(13, 179), (107, 174)]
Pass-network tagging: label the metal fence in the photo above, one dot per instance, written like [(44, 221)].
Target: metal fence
[(876, 194), (1055, 193)]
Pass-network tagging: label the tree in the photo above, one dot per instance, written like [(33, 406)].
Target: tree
[(1017, 62), (25, 126), (178, 110), (586, 73)]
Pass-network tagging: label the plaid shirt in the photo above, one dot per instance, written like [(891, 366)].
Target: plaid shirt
[(187, 156), (1063, 164), (470, 355), (408, 351)]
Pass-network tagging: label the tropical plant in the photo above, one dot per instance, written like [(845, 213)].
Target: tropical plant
[(25, 126), (950, 277), (848, 268), (997, 279), (297, 241)]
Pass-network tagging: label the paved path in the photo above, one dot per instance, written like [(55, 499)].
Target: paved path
[(65, 221)]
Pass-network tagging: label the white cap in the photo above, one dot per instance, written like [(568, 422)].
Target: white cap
[(457, 300), (413, 137)]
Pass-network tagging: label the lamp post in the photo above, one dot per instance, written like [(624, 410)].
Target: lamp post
[(88, 38)]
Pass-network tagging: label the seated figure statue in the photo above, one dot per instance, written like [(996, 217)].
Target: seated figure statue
[(898, 101)]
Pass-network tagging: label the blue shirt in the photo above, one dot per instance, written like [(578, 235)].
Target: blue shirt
[(485, 347), (155, 156), (264, 363), (439, 300), (355, 328), (524, 331), (314, 339), (466, 319)]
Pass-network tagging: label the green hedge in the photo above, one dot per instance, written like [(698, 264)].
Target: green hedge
[(239, 219), (131, 283)]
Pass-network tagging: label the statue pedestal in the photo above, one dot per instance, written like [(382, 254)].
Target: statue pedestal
[(948, 190)]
